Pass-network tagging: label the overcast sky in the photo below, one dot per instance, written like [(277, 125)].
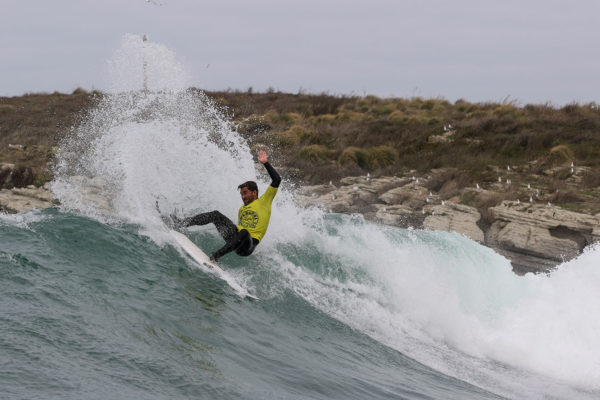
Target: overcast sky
[(533, 51)]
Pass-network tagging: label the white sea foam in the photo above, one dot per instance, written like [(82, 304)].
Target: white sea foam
[(456, 306), (22, 220), (440, 298)]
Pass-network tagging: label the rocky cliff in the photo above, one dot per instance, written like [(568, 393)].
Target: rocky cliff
[(534, 236)]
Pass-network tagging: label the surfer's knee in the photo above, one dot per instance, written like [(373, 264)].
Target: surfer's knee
[(245, 245)]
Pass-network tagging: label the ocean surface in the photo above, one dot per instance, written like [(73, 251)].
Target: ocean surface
[(97, 301)]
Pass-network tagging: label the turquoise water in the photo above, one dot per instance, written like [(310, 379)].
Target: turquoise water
[(93, 310), (98, 311)]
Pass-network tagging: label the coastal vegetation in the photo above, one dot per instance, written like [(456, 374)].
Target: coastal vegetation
[(322, 137)]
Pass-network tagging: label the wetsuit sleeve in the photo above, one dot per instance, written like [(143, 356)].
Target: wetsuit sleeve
[(275, 178)]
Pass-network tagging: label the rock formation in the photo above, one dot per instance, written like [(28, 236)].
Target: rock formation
[(535, 237), (25, 199)]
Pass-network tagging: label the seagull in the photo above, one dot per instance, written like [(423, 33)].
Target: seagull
[(427, 200), (518, 201), (572, 164), (530, 199), (508, 181), (356, 188), (430, 194), (499, 179), (508, 167), (422, 211), (413, 178), (449, 126), (549, 204), (572, 170), (329, 183), (334, 197), (417, 180), (443, 203), (529, 186), (477, 186)]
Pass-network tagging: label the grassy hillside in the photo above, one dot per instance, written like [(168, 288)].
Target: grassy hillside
[(324, 137)]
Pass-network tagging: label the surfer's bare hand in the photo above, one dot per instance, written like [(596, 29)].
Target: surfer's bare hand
[(262, 156)]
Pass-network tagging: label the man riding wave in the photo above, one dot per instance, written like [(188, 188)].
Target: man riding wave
[(253, 216)]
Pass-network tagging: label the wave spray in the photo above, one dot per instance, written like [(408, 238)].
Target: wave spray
[(439, 298)]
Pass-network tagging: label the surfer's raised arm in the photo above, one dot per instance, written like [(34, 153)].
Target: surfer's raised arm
[(253, 216), (275, 178)]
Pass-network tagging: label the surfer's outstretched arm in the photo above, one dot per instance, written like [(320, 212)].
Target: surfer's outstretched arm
[(275, 178)]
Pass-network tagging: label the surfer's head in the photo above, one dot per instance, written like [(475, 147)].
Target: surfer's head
[(249, 192)]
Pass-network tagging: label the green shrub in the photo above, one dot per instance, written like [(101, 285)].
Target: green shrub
[(428, 105), (383, 156), (283, 118), (376, 157), (384, 109), (41, 178), (355, 155), (323, 119), (561, 153), (315, 152)]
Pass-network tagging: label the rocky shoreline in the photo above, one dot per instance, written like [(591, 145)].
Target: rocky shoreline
[(535, 237)]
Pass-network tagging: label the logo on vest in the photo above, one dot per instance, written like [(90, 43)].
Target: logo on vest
[(249, 219)]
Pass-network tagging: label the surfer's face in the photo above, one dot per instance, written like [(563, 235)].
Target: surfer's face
[(248, 196)]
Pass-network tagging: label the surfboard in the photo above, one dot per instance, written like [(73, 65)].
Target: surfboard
[(203, 260)]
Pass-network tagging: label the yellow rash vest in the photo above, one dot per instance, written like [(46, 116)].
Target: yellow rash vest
[(255, 216)]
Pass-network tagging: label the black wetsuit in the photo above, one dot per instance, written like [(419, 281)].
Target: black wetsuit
[(239, 241)]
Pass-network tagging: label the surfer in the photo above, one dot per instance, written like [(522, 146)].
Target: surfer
[(253, 216)]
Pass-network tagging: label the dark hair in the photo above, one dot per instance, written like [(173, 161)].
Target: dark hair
[(251, 185)]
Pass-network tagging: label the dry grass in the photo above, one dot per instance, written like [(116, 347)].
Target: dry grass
[(360, 133)]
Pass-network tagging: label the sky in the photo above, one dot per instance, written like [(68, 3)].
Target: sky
[(526, 51)]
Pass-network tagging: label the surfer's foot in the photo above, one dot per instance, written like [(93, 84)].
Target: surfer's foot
[(172, 221), (213, 257), (177, 222)]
